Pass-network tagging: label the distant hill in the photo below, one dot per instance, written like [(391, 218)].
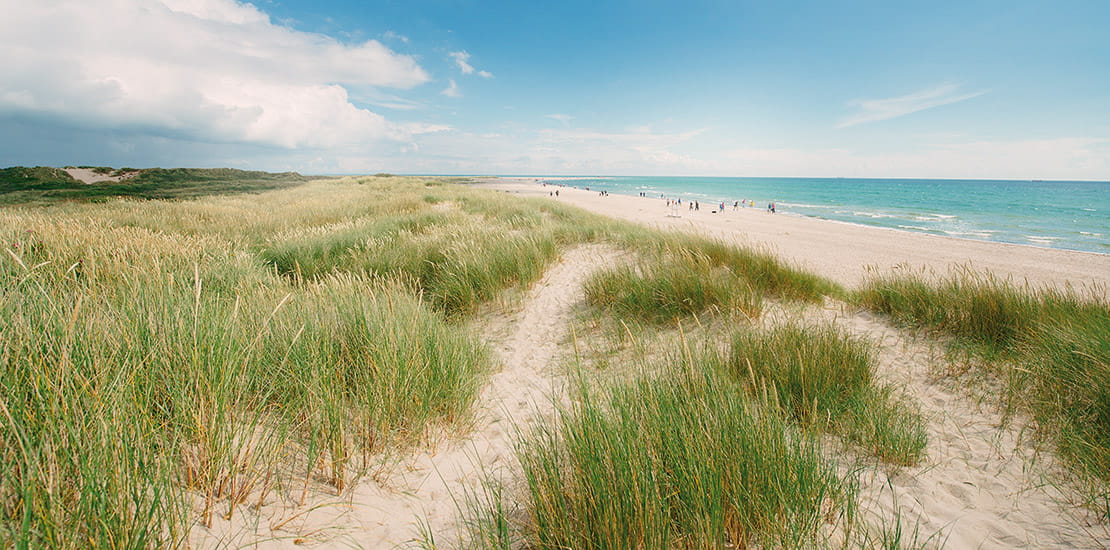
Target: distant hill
[(19, 178), (46, 185)]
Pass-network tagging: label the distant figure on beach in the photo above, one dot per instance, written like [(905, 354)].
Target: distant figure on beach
[(735, 205), (697, 205), (556, 192)]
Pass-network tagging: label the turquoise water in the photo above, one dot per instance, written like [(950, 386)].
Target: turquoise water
[(1053, 214)]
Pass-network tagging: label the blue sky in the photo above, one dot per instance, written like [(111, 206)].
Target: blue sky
[(854, 89)]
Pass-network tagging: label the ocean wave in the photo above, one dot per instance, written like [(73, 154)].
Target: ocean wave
[(579, 178), (875, 215), (801, 205), (980, 233), (1041, 239), (1089, 234)]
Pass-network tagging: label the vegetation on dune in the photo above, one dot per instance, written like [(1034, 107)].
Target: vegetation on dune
[(709, 448), (151, 356), (679, 275), (43, 186), (666, 288), (682, 458), (164, 359), (823, 378), (761, 269), (1051, 348), (23, 178)]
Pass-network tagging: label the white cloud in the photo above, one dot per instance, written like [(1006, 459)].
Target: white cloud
[(417, 128), (872, 110), (209, 70), (452, 89), (1060, 158), (462, 60), (565, 119), (390, 35)]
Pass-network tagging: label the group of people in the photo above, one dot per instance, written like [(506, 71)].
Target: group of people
[(695, 205), (692, 205)]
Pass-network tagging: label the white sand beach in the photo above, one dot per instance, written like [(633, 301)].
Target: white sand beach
[(840, 251)]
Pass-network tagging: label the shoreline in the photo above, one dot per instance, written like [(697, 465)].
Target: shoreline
[(925, 234), (843, 251)]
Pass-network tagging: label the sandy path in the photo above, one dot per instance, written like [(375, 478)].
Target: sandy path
[(391, 509), (982, 485)]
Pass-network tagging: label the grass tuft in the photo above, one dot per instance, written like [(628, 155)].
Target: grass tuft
[(682, 458), (1049, 347), (664, 289), (823, 378)]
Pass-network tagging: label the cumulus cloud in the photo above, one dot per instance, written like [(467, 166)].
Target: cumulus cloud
[(462, 60), (208, 70), (872, 110)]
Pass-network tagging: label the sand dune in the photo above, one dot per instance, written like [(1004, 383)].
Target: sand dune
[(982, 485)]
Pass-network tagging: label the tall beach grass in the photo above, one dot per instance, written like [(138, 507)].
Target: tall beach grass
[(1051, 348), (824, 378), (678, 458), (156, 369)]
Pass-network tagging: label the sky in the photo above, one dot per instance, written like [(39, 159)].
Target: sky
[(931, 89)]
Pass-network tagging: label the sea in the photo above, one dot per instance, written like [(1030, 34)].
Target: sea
[(1072, 215)]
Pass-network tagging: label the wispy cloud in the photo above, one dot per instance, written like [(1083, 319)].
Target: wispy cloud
[(872, 110), (462, 59), (417, 128), (452, 89), (565, 119), (390, 35)]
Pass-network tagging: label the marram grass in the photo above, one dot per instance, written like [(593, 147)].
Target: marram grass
[(1051, 348), (156, 355), (761, 269), (151, 357), (662, 289), (683, 458), (824, 378)]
